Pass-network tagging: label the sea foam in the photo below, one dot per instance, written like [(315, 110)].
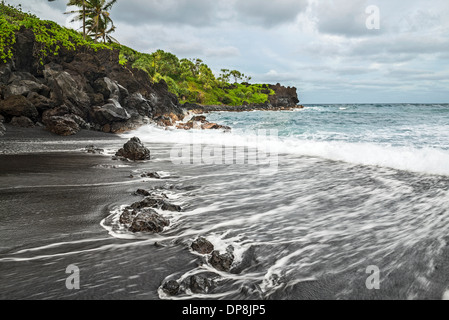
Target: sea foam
[(427, 160)]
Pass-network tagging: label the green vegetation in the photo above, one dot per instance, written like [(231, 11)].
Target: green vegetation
[(190, 79), (50, 37), (193, 81)]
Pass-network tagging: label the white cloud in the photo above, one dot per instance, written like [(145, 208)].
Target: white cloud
[(43, 9), (223, 52), (320, 46), (269, 13)]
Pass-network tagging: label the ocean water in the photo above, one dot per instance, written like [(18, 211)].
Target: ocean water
[(353, 187), (328, 202)]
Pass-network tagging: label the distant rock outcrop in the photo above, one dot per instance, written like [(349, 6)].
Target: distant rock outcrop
[(284, 98)]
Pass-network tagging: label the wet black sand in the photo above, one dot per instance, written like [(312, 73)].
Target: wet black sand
[(52, 199)]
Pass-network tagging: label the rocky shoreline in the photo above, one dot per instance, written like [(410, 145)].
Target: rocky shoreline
[(152, 206), (141, 217), (79, 89), (88, 89)]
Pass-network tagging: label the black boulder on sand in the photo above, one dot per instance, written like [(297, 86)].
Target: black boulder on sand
[(134, 150)]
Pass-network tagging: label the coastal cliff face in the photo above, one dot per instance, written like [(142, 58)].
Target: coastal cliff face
[(89, 89), (78, 89)]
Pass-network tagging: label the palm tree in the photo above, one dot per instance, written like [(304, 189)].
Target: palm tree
[(80, 3), (101, 29), (98, 13)]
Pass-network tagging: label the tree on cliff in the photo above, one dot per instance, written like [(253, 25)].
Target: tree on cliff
[(80, 3), (100, 18), (95, 16), (101, 29)]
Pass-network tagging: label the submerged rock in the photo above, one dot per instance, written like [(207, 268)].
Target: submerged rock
[(250, 258), (199, 284), (145, 193), (127, 217), (200, 122), (144, 220), (199, 119), (153, 175), (222, 262), (93, 150), (154, 201), (214, 126), (134, 150), (142, 192), (171, 287), (202, 246), (185, 126), (148, 221), (164, 121)]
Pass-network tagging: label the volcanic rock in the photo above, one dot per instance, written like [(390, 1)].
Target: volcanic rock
[(134, 150), (202, 246)]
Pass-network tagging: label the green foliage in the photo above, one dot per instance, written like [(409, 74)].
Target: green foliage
[(50, 37), (7, 38), (190, 79), (193, 81)]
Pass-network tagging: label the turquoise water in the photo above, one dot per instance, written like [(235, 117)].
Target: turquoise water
[(390, 125), (409, 137)]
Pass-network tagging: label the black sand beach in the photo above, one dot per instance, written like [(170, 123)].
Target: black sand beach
[(55, 197)]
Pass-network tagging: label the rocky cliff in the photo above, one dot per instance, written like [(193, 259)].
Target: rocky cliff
[(80, 88), (88, 88)]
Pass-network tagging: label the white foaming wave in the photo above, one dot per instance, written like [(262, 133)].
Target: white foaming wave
[(422, 160), (409, 158)]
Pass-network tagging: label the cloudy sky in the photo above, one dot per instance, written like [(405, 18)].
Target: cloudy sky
[(322, 47)]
